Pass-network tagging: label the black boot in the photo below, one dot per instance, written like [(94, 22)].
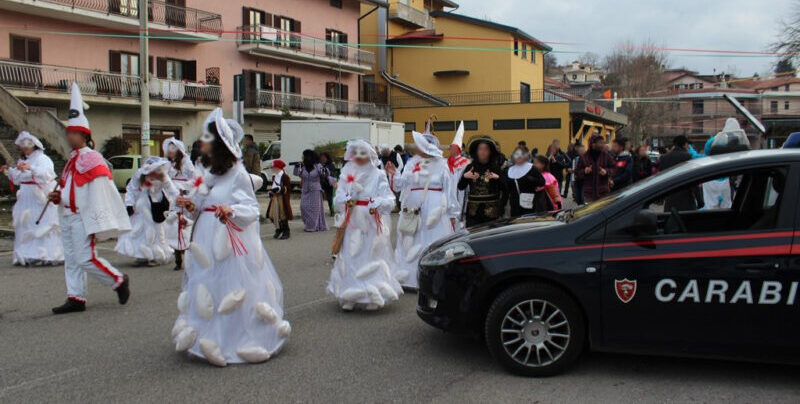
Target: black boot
[(70, 306), (285, 232), (278, 230), (123, 290), (178, 260)]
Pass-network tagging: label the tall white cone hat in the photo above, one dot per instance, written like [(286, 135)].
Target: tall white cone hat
[(458, 139), (77, 119)]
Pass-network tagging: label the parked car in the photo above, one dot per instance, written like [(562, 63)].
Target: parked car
[(633, 273), (123, 167)]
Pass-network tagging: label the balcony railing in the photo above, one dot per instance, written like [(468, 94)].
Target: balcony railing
[(58, 79), (159, 12), (288, 102), (490, 97), (410, 15), (308, 45)]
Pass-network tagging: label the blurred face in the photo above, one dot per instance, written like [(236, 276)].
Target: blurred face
[(581, 150), (643, 151), (76, 139), (598, 146), (539, 166), (484, 152), (206, 147), (361, 157), (616, 148), (323, 158), (557, 144), (27, 148), (172, 154), (520, 157)]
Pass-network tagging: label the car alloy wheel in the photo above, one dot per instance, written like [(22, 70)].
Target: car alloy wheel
[(535, 333)]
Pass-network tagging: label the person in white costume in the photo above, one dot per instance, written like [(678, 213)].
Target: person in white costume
[(178, 227), (147, 199), (35, 242), (428, 205), (91, 210), (231, 306), (457, 163), (361, 275)]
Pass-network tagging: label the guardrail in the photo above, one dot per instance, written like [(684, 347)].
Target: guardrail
[(159, 12), (262, 34), (318, 105), (490, 97), (57, 79)]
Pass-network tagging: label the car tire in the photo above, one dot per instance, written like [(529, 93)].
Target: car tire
[(543, 343)]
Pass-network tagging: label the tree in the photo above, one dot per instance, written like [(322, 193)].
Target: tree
[(635, 72), (590, 58), (114, 146), (550, 64), (784, 65), (788, 41)]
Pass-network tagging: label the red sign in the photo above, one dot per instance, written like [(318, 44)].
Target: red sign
[(626, 289)]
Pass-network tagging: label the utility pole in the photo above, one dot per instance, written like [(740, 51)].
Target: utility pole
[(144, 79)]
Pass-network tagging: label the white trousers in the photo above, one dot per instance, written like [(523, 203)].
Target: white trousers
[(81, 259)]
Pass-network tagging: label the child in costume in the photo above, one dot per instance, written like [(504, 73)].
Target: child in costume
[(280, 208), (178, 227)]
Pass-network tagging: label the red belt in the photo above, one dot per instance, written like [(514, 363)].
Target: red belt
[(362, 203), (429, 189), (28, 183)]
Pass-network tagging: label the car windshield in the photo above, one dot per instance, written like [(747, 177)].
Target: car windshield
[(652, 181)]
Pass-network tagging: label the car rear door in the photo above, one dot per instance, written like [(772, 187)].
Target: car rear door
[(710, 281)]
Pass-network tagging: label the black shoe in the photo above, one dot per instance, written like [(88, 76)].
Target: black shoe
[(123, 290), (70, 306), (278, 232)]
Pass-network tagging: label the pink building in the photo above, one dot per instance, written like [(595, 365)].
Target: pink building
[(293, 57)]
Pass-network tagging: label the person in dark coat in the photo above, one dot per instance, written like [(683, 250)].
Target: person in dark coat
[(280, 207), (522, 178), (595, 169), (329, 172), (684, 199), (483, 180), (623, 164), (558, 161), (642, 166)]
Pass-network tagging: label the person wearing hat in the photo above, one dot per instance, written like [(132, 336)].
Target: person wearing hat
[(147, 198), (91, 210), (177, 226), (428, 205), (457, 163), (280, 207), (361, 275), (595, 168), (231, 305), (36, 242), (484, 184)]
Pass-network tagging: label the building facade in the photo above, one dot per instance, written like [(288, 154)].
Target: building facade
[(285, 58)]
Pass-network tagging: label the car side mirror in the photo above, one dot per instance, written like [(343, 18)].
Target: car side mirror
[(645, 223)]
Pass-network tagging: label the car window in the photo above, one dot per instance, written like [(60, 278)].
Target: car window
[(121, 163), (274, 152), (733, 202)]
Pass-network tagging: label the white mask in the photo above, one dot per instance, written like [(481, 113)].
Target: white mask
[(207, 138)]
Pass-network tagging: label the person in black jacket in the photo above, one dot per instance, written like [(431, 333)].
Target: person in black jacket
[(623, 162), (522, 178), (684, 199), (483, 180), (642, 166), (558, 161)]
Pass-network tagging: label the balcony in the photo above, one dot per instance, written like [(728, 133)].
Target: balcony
[(490, 97), (47, 83), (407, 15), (175, 21), (269, 42), (277, 104)]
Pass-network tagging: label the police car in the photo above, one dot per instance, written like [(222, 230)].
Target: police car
[(645, 270)]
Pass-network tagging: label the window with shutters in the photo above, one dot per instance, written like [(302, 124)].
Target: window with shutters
[(335, 44), (255, 22), (337, 94), (26, 49), (286, 27)]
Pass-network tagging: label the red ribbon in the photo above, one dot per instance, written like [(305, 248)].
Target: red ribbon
[(237, 244), (181, 242)]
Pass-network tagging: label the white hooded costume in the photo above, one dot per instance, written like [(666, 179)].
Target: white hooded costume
[(231, 306), (428, 203), (178, 227), (361, 274), (35, 243), (147, 239), (91, 210)]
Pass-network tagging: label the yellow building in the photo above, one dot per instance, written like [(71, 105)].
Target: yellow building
[(431, 62)]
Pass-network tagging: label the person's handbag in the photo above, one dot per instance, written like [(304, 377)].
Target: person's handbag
[(525, 199), (409, 218)]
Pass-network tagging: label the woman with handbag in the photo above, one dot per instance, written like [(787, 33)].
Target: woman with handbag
[(522, 179), (147, 198), (428, 205), (361, 276)]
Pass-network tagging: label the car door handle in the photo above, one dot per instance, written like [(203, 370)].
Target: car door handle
[(758, 266)]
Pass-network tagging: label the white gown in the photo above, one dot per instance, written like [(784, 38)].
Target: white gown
[(178, 227), (147, 239), (231, 307), (35, 244), (437, 206), (361, 274)]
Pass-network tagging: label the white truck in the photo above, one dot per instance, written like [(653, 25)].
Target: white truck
[(299, 135)]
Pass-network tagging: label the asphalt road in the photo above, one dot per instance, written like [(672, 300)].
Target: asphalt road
[(114, 353)]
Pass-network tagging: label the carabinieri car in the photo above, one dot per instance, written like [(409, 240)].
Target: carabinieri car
[(639, 271)]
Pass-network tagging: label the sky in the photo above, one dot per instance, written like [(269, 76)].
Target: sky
[(599, 26)]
